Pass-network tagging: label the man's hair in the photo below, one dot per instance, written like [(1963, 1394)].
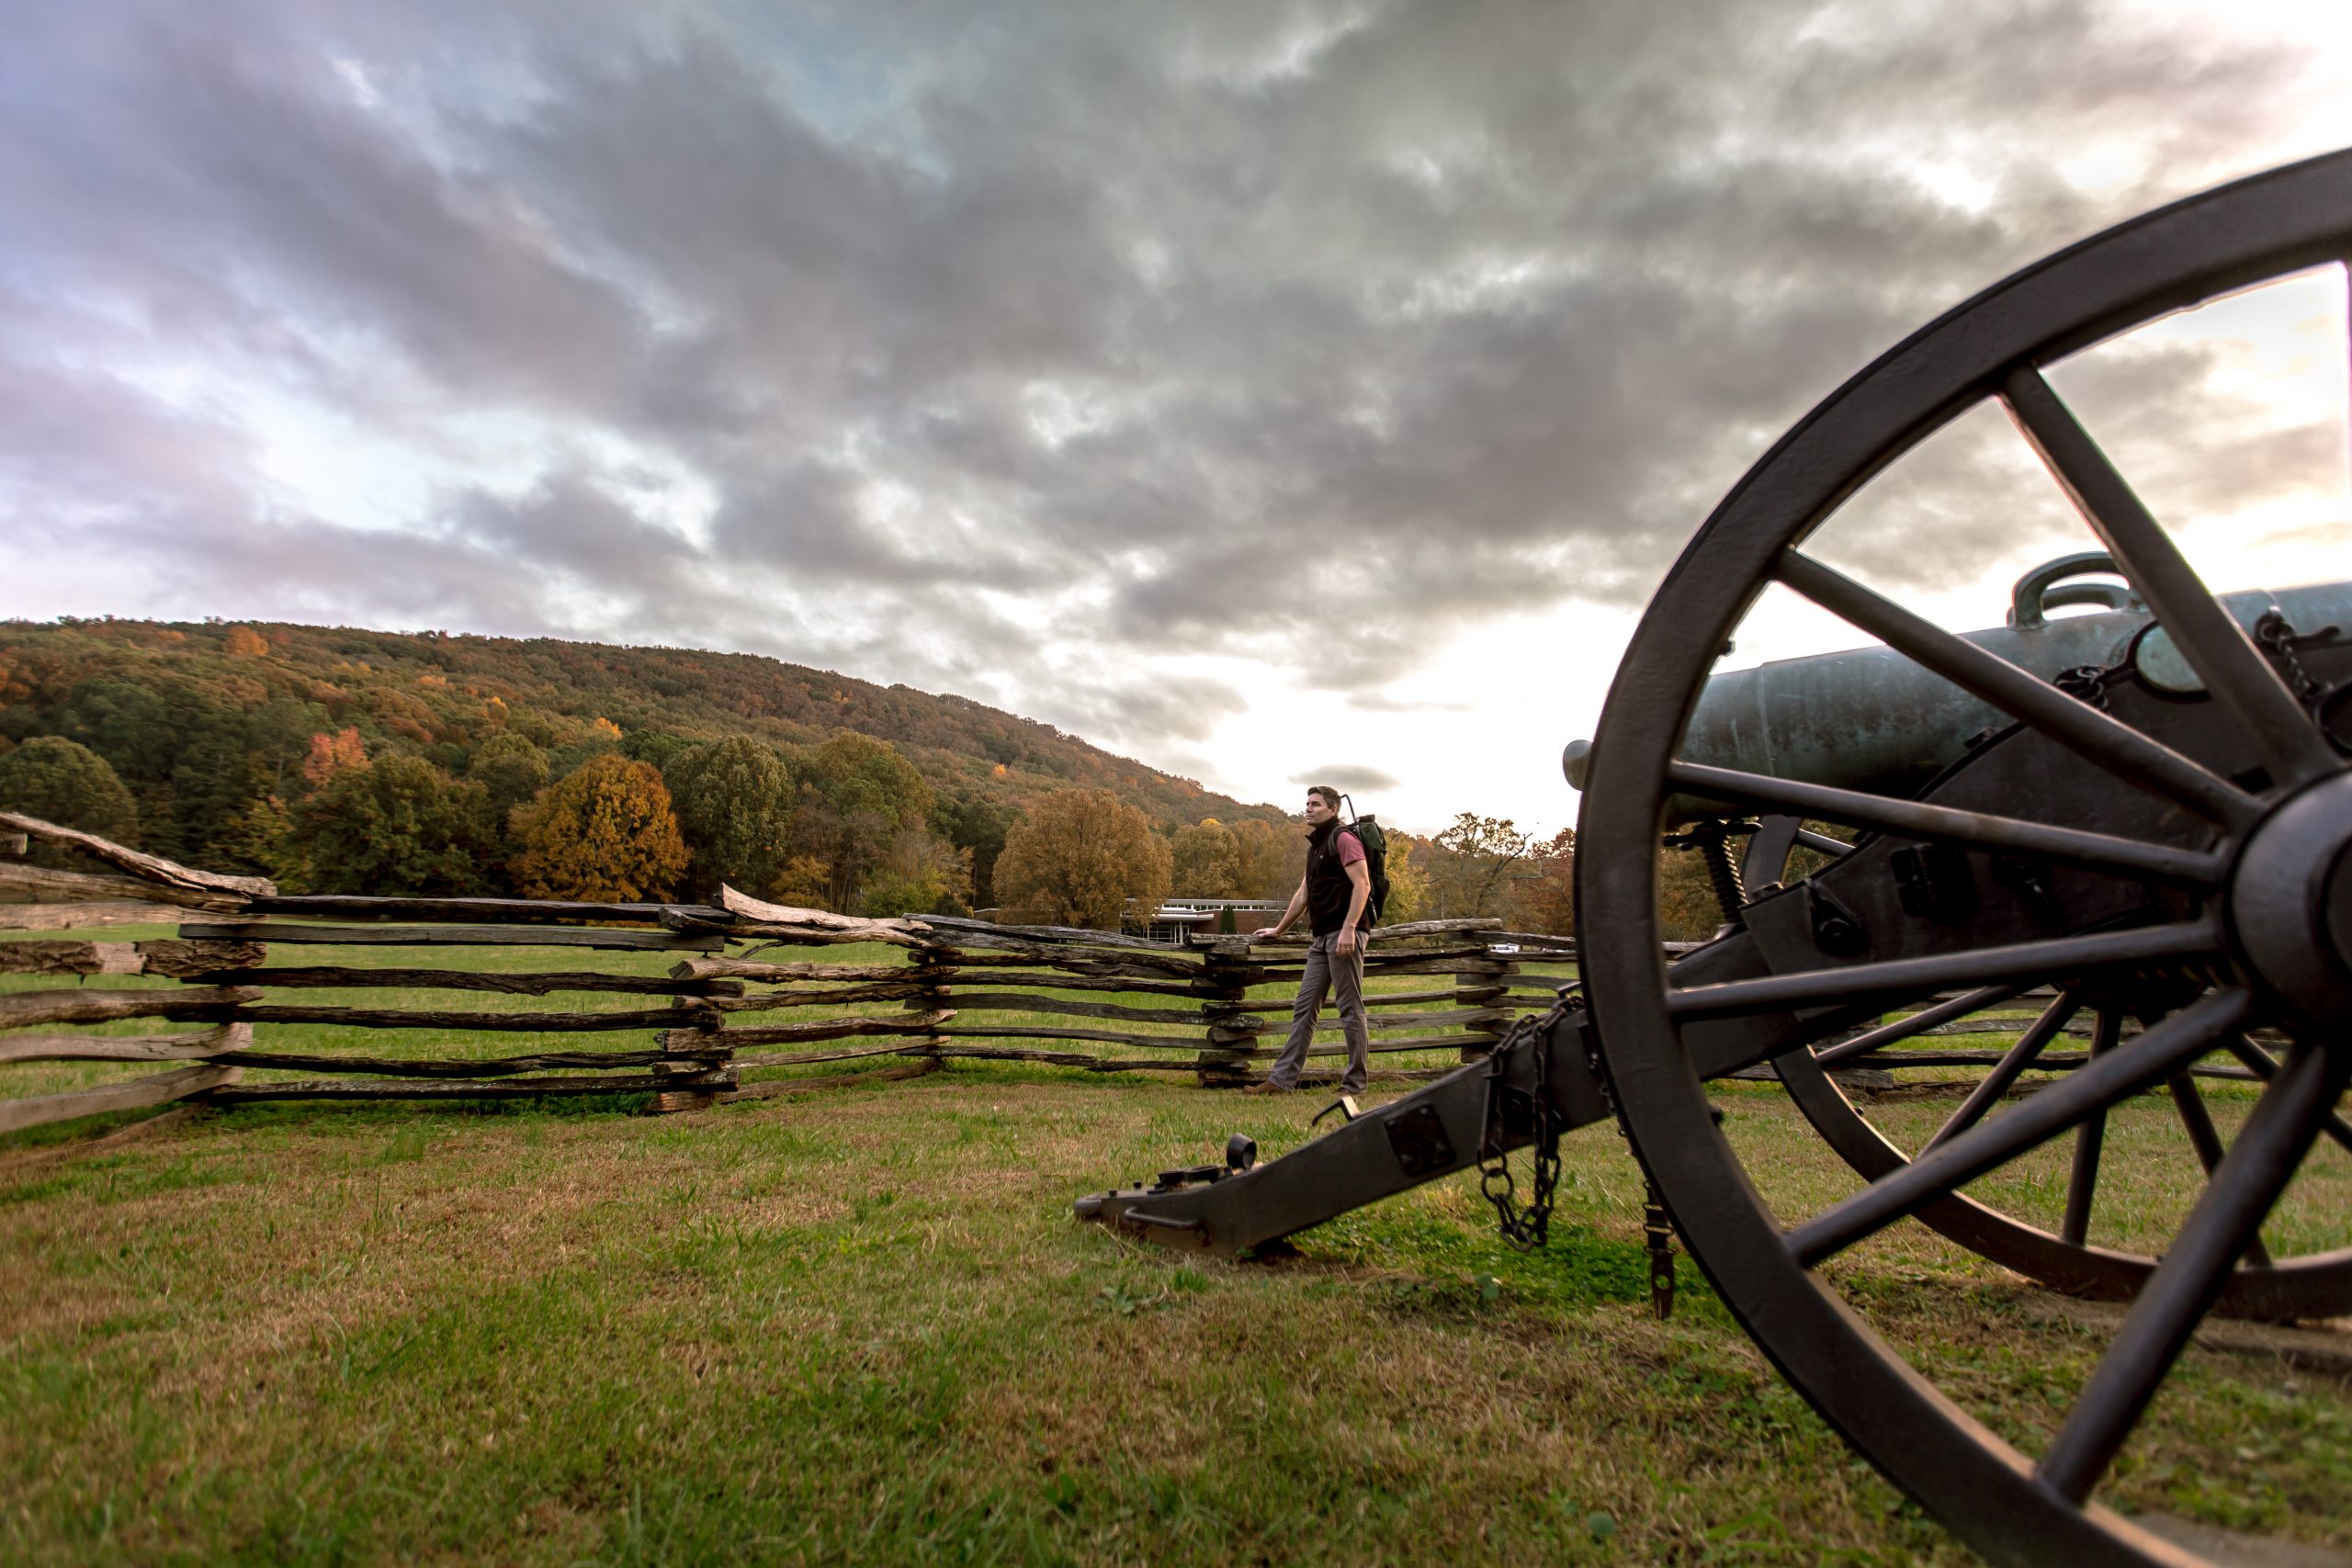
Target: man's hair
[(1330, 797)]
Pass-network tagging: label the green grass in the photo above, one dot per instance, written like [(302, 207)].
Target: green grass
[(861, 1324)]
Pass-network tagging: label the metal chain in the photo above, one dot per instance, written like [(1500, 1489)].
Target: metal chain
[(2276, 636), (1529, 1228)]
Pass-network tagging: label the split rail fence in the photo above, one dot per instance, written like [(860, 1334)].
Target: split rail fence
[(690, 1004), (724, 1018)]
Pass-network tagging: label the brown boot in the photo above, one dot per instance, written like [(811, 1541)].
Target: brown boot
[(1266, 1085)]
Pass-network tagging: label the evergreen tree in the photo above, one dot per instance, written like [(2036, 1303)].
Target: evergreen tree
[(398, 826), (856, 796), (510, 770), (58, 781), (976, 826), (734, 803)]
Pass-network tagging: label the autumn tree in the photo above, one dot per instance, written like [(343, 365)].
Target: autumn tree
[(1469, 862), (331, 754), (605, 831), (62, 781), (1206, 861), (1407, 888), (734, 800), (395, 826), (1274, 858), (1081, 857), (1543, 891), (1687, 909), (921, 873)]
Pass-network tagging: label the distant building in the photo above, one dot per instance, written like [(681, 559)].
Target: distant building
[(1178, 919)]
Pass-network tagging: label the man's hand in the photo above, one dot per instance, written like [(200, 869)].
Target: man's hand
[(1345, 941), (1265, 934)]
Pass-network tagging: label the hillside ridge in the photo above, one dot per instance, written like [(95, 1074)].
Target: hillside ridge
[(442, 694)]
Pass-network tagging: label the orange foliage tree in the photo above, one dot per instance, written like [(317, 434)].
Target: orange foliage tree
[(1081, 857), (331, 754), (603, 831), (1543, 893)]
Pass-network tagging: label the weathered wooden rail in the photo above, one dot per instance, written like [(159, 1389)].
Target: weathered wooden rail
[(712, 1025), (727, 1020)]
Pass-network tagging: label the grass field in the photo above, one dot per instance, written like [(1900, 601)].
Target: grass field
[(860, 1323)]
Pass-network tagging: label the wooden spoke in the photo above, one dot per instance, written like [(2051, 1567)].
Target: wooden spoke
[(2008, 835), (2244, 687), (2080, 729), (1900, 977), (2151, 1058), (1918, 1023), (2082, 1181), (2016, 1060), (2266, 1067), (2219, 1230), (2189, 1101)]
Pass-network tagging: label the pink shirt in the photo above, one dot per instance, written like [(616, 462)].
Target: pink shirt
[(1349, 851)]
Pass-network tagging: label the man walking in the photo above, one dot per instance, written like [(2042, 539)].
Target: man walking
[(1334, 894)]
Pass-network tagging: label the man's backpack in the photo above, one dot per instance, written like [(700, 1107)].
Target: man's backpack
[(1375, 860)]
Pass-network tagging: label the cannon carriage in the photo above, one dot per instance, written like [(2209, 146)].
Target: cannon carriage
[(2140, 817)]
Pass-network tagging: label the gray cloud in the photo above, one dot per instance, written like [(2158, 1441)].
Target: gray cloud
[(1348, 777), (1309, 334)]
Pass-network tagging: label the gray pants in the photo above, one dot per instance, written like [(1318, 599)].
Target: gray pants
[(1342, 974)]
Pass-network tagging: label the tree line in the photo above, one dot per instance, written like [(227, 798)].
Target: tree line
[(205, 724), (225, 747), (849, 825)]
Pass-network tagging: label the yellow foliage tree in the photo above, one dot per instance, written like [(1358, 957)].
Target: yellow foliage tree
[(1207, 861), (244, 642), (1407, 886), (605, 831), (1081, 857), (1274, 858)]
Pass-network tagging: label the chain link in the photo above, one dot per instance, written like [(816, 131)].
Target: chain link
[(1528, 1228), (2276, 636)]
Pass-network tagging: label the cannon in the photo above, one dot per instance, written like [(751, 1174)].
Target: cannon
[(2143, 814)]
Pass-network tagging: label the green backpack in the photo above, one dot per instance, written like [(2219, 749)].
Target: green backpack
[(1376, 859)]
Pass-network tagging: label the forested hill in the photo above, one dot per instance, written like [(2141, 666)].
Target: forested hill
[(200, 721)]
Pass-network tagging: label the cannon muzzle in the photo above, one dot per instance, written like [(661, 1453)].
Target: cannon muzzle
[(1873, 720)]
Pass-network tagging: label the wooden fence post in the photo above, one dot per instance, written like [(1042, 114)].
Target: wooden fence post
[(1481, 982), (1223, 984), (934, 968), (701, 1065)]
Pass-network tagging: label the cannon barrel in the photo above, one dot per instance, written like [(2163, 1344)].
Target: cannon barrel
[(1873, 720)]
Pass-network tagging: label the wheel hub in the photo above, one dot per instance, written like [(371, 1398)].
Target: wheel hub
[(2291, 905)]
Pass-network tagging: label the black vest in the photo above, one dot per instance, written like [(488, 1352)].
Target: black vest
[(1328, 886)]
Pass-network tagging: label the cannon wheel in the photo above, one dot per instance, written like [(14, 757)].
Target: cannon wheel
[(2262, 1287), (2267, 887)]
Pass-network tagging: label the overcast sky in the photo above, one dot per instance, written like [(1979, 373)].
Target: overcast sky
[(1269, 392)]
